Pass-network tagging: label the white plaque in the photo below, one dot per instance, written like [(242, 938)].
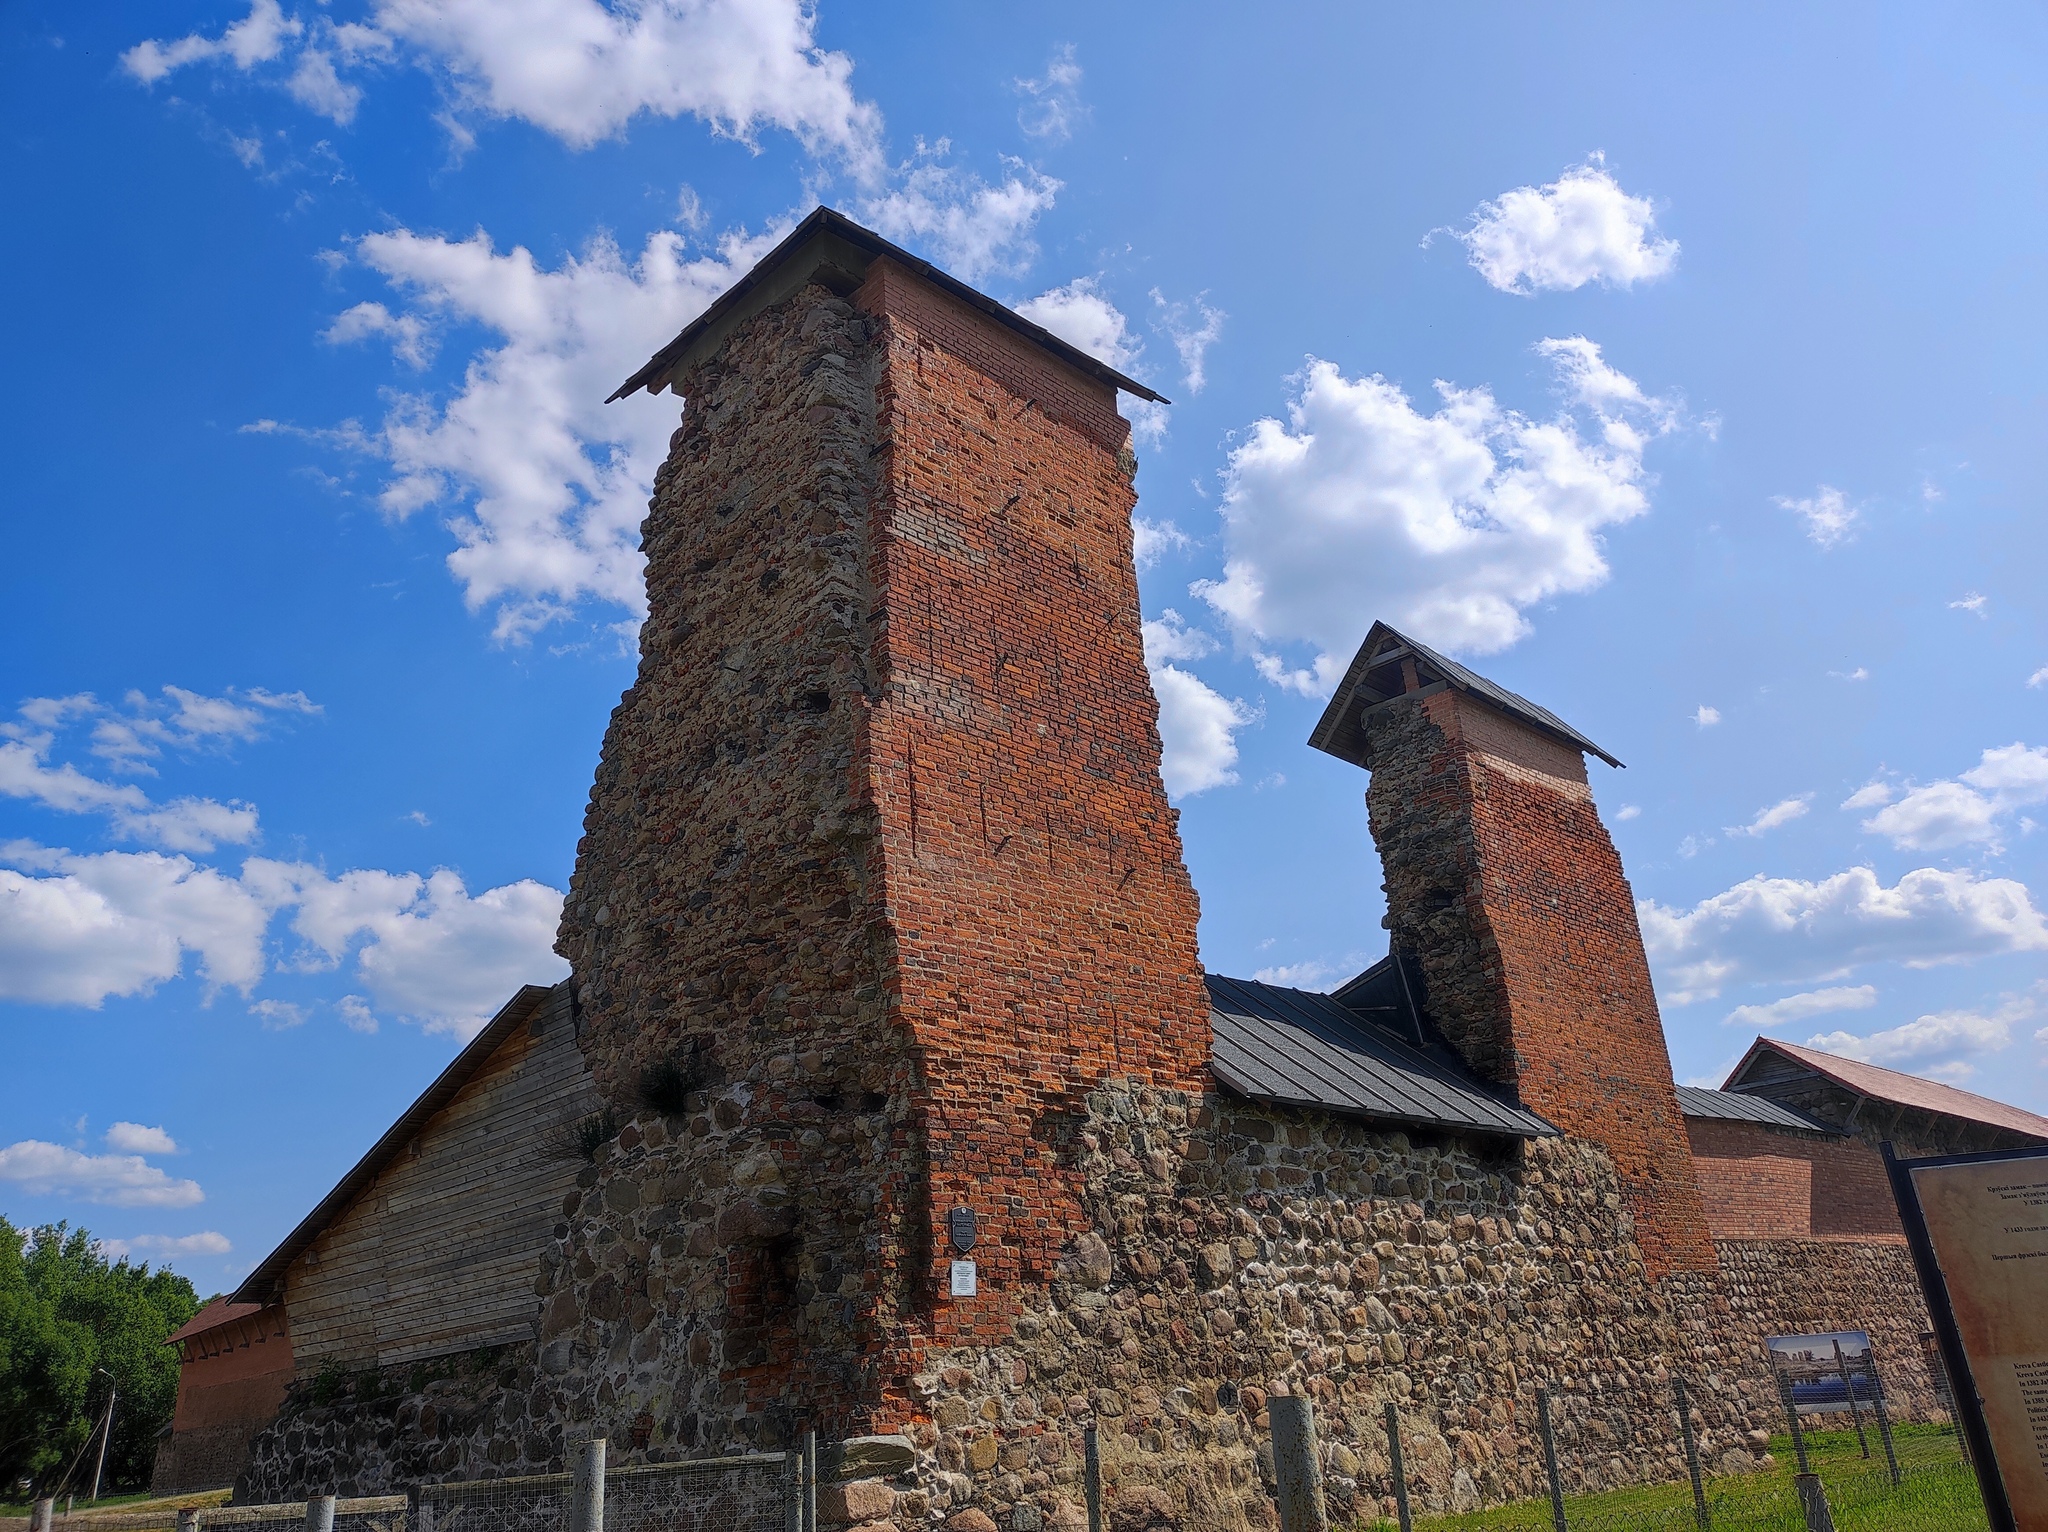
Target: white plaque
[(963, 1279)]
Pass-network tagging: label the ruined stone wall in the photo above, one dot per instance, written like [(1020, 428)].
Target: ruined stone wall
[(878, 874), (728, 928), (1231, 1251), (1504, 884), (1837, 1282)]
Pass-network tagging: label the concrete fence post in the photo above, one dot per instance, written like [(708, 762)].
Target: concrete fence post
[(1692, 1450), (1297, 1464), (586, 1487), (1543, 1425), (319, 1513), (1401, 1511), (188, 1520), (43, 1516), (1813, 1502), (1091, 1478)]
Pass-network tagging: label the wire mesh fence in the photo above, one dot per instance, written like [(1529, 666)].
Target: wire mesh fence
[(737, 1494), (1923, 1485), (537, 1503)]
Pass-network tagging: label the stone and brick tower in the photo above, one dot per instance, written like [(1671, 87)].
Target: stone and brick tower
[(878, 854), (1505, 893)]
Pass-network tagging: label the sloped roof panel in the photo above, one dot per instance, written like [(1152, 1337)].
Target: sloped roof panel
[(1733, 1106), (1891, 1086), (1297, 1048)]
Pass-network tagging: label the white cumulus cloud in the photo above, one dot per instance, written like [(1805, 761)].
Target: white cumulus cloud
[(581, 70), (1828, 515), (424, 948), (77, 929), (41, 1169), (1783, 812), (1580, 228), (1706, 717), (167, 1247), (972, 228), (1197, 724), (1778, 930), (137, 1138), (1942, 1044), (552, 483), (1448, 525), (1193, 328), (1969, 810), (1082, 315), (1800, 1007)]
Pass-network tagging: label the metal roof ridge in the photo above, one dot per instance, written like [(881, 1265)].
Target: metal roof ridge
[(828, 220)]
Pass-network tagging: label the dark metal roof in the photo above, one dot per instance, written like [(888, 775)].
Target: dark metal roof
[(1732, 1106), (842, 252), (265, 1283), (1298, 1048), (1340, 731)]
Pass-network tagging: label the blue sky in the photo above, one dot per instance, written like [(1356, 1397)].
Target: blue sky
[(1677, 368)]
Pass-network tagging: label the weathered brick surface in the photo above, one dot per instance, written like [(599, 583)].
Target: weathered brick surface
[(1503, 882), (1763, 1183), (880, 911), (879, 841)]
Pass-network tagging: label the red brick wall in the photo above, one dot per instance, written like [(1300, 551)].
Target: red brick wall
[(1044, 920), (1760, 1182), (1502, 880), (879, 857)]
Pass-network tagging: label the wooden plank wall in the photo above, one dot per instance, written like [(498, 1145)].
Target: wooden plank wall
[(441, 1252)]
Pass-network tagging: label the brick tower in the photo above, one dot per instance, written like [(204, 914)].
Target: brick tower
[(878, 875), (1504, 891)]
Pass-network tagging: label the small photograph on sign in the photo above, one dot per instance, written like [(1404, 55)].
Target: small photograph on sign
[(963, 1279), (1816, 1365)]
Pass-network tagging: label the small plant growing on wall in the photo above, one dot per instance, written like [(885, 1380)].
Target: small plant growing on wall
[(667, 1084), (581, 1139)]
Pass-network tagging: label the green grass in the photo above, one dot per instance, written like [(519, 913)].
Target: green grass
[(1938, 1494)]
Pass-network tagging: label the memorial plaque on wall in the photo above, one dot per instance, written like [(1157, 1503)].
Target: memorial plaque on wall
[(1985, 1223)]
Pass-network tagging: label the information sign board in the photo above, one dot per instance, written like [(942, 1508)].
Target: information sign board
[(1978, 1224)]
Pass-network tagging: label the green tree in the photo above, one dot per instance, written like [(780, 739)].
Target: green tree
[(65, 1313)]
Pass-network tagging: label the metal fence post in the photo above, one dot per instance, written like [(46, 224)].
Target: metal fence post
[(1091, 1458), (1884, 1421), (1297, 1468), (1692, 1450), (1792, 1418), (1543, 1428), (810, 1481), (792, 1491), (586, 1487), (1401, 1511), (319, 1513), (1842, 1367)]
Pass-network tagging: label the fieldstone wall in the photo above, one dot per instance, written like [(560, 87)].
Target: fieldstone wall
[(1234, 1252), (1812, 1286)]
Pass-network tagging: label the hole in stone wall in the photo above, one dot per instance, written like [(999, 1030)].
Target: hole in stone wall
[(814, 701)]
